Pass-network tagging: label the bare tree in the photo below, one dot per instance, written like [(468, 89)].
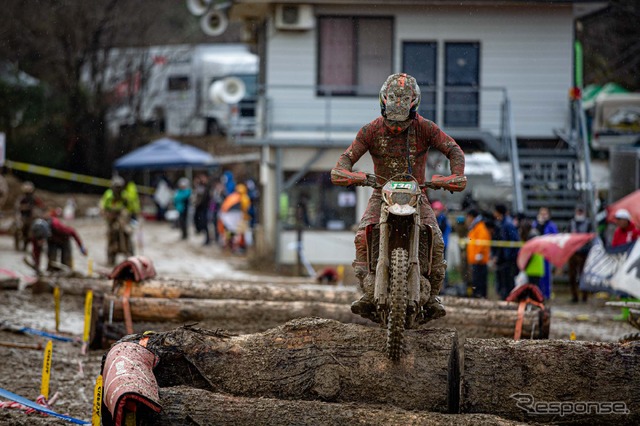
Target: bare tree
[(611, 40), (69, 45)]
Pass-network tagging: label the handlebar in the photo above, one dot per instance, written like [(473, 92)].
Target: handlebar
[(452, 183)]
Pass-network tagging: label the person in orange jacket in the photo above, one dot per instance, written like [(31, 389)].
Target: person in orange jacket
[(233, 219), (478, 253)]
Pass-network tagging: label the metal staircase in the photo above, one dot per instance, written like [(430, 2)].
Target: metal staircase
[(557, 177), (551, 178)]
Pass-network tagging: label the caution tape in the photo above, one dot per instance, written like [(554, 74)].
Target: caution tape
[(61, 174), (493, 243)]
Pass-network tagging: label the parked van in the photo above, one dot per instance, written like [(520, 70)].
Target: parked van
[(186, 90), (616, 120)]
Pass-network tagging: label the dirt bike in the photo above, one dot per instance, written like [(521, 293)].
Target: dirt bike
[(399, 251), (119, 235)]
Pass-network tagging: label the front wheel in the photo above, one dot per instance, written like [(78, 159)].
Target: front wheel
[(399, 270)]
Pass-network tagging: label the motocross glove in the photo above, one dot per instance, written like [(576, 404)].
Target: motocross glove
[(345, 178), (453, 183)]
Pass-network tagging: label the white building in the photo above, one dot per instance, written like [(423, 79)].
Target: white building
[(490, 72)]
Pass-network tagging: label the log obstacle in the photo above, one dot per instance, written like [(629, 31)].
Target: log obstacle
[(489, 323), (265, 314), (262, 315), (559, 381), (297, 368), (274, 289), (313, 359), (183, 405)]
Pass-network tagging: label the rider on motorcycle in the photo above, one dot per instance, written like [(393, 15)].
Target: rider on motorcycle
[(398, 143), (118, 207), (27, 209)]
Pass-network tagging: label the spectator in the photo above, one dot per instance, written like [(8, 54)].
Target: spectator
[(57, 237), (543, 225), (439, 210), (478, 253), (162, 198), (218, 194), (234, 218), (626, 232), (579, 224), (504, 257), (181, 204), (201, 203)]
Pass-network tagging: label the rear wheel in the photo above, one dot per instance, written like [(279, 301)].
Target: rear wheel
[(398, 296)]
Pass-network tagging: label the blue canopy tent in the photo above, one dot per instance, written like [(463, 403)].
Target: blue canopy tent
[(164, 154)]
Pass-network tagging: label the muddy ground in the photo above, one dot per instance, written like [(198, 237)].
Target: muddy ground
[(73, 373)]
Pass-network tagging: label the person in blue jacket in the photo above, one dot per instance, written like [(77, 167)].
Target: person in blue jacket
[(181, 203)]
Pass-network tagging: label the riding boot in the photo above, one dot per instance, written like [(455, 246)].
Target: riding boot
[(434, 308), (365, 306)]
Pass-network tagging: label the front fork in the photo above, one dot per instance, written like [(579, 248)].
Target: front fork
[(381, 290)]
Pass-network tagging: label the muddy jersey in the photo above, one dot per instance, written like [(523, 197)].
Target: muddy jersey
[(399, 151)]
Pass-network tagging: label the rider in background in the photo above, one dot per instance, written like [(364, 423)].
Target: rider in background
[(119, 204), (57, 237), (27, 210), (398, 142)]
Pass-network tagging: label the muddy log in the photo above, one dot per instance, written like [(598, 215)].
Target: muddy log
[(268, 314), (9, 283), (474, 303), (314, 359), (220, 289), (594, 380), (183, 405), (488, 323)]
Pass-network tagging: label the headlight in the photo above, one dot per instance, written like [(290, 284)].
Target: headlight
[(401, 198)]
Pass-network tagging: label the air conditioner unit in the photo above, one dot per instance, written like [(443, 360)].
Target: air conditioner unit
[(294, 17)]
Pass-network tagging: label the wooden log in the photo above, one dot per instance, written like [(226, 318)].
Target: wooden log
[(183, 405), (221, 289), (523, 380), (9, 283), (474, 303), (488, 323), (314, 359), (232, 314), (267, 314)]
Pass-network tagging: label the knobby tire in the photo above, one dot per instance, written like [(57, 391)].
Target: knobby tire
[(399, 270)]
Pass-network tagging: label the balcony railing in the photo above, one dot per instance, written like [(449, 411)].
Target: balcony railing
[(331, 116)]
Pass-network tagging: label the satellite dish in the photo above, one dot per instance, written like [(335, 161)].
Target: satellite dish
[(229, 90), (214, 23), (198, 7)]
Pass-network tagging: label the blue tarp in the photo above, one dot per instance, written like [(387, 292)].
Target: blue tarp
[(163, 154)]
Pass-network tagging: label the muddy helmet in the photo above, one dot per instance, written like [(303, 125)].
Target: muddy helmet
[(27, 187), (117, 182), (399, 97), (40, 229)]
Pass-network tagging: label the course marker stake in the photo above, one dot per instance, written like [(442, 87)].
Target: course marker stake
[(88, 302), (46, 370), (97, 402), (56, 302)]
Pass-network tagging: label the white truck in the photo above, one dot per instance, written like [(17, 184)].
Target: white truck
[(184, 90)]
